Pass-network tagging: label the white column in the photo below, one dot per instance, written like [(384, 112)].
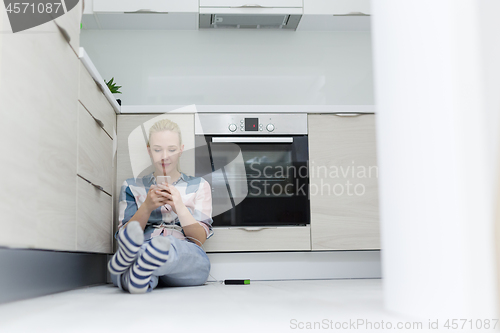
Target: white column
[(437, 91)]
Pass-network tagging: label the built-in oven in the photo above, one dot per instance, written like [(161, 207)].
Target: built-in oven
[(257, 166)]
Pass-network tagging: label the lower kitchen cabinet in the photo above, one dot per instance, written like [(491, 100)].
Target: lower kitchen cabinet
[(95, 149), (56, 156), (94, 181), (93, 99), (343, 185), (93, 215), (38, 105), (343, 182), (236, 239), (132, 154)]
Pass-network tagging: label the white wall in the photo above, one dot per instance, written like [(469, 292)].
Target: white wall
[(227, 67), (437, 87)]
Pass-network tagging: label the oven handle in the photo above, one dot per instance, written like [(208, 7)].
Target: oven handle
[(253, 139)]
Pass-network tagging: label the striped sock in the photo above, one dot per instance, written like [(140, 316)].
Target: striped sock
[(130, 240), (138, 276)]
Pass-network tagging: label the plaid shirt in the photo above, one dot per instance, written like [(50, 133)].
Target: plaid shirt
[(196, 195)]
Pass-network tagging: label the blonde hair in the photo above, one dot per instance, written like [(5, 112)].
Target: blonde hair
[(166, 125)]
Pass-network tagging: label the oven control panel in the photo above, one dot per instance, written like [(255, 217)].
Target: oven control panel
[(250, 125), (258, 124)]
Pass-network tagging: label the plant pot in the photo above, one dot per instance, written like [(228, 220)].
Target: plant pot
[(119, 101)]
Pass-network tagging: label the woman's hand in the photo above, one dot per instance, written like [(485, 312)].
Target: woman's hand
[(172, 196), (154, 199)]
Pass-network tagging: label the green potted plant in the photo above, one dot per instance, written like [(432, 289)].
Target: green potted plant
[(113, 88)]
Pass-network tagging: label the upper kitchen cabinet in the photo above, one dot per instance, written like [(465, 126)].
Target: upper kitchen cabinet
[(141, 14), (69, 25), (337, 7), (336, 15), (155, 6), (344, 182)]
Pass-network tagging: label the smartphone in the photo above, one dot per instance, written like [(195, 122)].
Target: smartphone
[(162, 179)]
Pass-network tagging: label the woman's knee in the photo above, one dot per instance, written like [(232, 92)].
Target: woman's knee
[(204, 272)]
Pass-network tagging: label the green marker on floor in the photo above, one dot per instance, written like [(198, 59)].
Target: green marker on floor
[(237, 281)]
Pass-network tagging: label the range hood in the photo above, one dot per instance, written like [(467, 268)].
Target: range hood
[(249, 21), (236, 14)]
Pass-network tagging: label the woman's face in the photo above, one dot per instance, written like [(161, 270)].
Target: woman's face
[(165, 151)]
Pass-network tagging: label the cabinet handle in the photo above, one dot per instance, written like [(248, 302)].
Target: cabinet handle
[(248, 6), (348, 114), (99, 122), (352, 14), (100, 188), (256, 228), (63, 32), (252, 139), (145, 11)]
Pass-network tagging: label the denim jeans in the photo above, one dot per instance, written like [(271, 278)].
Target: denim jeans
[(187, 265)]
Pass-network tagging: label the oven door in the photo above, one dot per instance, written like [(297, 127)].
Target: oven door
[(256, 180)]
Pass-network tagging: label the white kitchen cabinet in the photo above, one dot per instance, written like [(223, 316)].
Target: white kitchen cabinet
[(96, 125), (38, 94), (336, 15), (70, 23), (337, 7), (95, 149), (259, 239), (92, 98), (48, 138), (94, 211), (88, 7), (343, 182), (121, 6), (142, 15)]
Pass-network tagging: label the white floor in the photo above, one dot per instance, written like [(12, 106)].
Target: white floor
[(262, 306)]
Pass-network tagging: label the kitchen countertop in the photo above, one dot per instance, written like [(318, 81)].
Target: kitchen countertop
[(142, 109)]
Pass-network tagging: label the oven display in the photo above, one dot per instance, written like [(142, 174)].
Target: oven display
[(251, 124)]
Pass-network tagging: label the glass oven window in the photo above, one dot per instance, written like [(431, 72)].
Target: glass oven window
[(277, 182)]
